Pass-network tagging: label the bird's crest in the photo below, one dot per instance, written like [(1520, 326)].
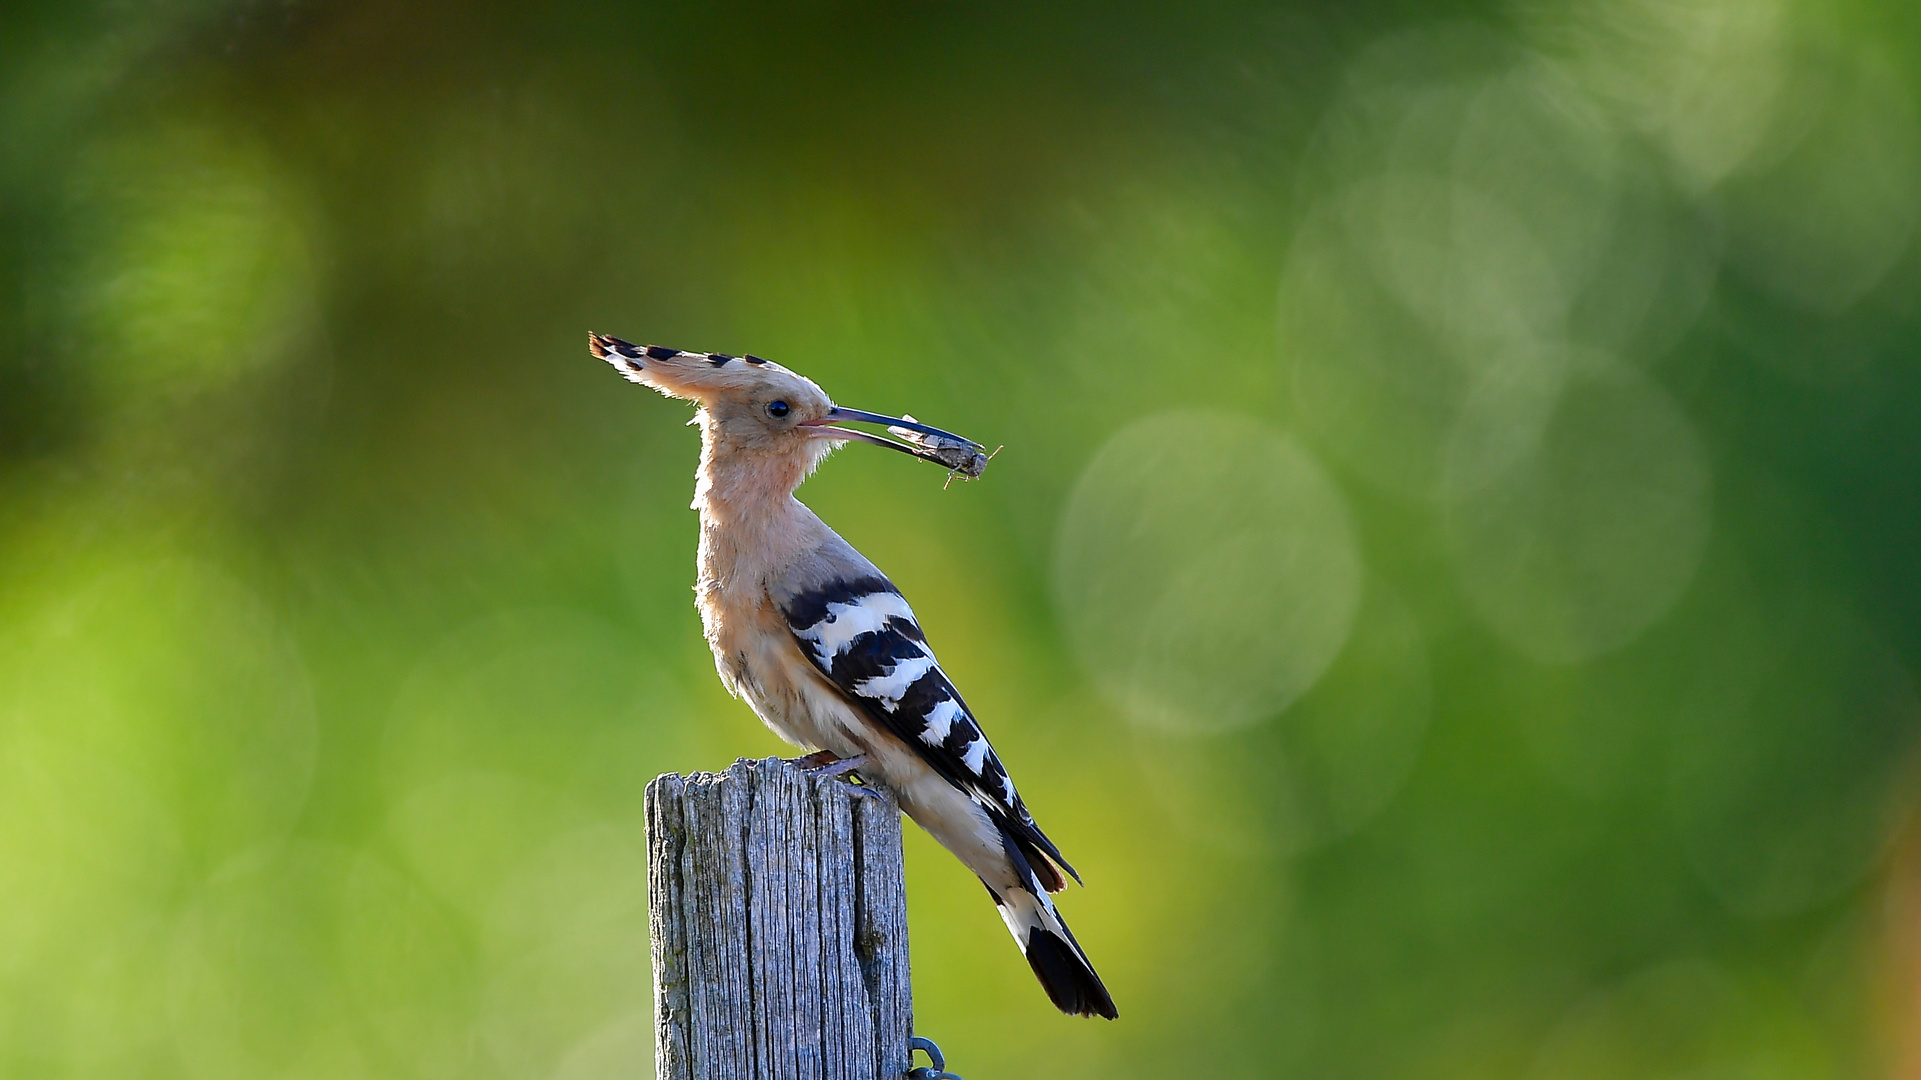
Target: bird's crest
[(694, 376)]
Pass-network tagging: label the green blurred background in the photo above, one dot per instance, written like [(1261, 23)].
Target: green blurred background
[(1450, 584)]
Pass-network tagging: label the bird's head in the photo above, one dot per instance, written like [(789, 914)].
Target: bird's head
[(755, 407)]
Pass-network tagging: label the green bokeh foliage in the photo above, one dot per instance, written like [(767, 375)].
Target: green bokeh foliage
[(1449, 585)]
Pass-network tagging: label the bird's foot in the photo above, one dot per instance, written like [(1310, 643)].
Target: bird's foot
[(841, 766), (819, 759), (827, 765)]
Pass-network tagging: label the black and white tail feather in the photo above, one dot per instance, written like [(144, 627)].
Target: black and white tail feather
[(862, 635)]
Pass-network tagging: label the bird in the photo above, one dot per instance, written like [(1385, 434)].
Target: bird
[(825, 649)]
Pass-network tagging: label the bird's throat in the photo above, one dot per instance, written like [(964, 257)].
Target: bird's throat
[(741, 484), (750, 521)]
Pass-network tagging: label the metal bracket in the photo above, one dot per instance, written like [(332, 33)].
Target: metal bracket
[(936, 1071)]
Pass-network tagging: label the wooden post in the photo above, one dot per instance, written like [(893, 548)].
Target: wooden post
[(779, 925)]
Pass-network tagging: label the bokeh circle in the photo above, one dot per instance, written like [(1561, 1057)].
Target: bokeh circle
[(1205, 570)]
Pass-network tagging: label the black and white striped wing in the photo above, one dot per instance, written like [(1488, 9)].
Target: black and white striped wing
[(862, 635)]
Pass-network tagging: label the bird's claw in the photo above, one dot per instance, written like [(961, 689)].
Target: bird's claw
[(828, 765), (819, 759), (840, 766)]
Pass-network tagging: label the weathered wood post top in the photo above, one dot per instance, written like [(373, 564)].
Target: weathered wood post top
[(779, 927)]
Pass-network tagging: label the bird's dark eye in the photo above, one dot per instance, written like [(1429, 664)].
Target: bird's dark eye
[(777, 409)]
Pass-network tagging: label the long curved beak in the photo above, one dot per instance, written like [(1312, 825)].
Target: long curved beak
[(963, 456)]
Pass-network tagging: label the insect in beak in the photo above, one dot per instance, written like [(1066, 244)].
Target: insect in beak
[(962, 457)]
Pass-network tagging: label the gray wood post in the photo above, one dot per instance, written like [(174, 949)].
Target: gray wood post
[(779, 924)]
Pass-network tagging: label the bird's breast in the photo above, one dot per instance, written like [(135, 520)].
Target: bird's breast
[(759, 662)]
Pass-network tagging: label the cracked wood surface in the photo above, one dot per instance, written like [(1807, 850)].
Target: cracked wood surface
[(779, 926)]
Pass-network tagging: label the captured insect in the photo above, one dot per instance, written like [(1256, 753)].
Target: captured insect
[(962, 457)]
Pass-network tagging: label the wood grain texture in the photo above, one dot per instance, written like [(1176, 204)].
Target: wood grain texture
[(779, 925)]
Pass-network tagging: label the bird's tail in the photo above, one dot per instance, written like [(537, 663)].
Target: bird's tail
[(1058, 962)]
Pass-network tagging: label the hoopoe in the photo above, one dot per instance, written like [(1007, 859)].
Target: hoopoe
[(825, 649)]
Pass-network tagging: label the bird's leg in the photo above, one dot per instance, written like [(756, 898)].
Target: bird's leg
[(819, 759), (842, 766), (826, 764)]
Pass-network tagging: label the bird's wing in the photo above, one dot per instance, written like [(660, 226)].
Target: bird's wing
[(860, 633)]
